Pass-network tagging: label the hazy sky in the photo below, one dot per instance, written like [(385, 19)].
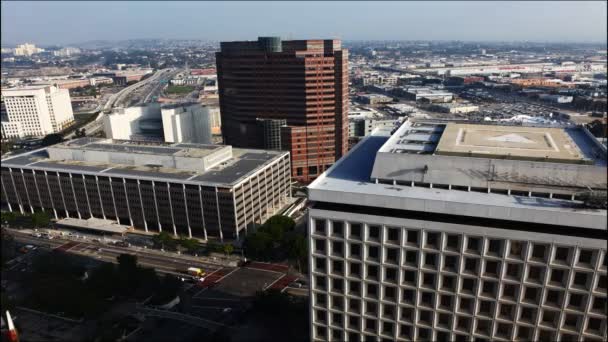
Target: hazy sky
[(71, 22)]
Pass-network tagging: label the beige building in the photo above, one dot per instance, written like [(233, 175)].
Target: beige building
[(35, 111)]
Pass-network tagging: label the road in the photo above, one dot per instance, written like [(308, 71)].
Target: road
[(168, 263)]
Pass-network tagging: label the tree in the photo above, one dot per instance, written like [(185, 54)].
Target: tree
[(228, 249), (163, 239), (258, 245), (191, 245), (298, 249), (40, 219), (278, 225), (8, 217), (52, 139)]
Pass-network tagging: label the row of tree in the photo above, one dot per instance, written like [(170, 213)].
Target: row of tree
[(38, 219), (166, 241)]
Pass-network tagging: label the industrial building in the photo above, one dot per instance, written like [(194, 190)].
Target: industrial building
[(179, 122), (425, 94), (195, 190), (302, 81), (35, 111), (442, 232)]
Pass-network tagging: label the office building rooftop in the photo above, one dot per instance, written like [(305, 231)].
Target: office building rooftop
[(214, 165), (404, 171)]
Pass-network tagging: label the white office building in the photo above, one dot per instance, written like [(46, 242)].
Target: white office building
[(180, 122), (35, 111), (444, 232), (187, 123)]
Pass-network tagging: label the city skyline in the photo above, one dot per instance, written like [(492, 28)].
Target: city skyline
[(54, 22)]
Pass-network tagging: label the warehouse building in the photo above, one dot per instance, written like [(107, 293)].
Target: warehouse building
[(459, 232), (190, 190)]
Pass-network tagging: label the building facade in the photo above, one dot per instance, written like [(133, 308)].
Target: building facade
[(172, 123), (201, 191), (302, 81), (409, 241), (36, 111)]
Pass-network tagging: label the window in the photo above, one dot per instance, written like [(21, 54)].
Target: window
[(319, 227), (473, 245), (392, 256), (354, 288), (581, 280), (412, 237), (538, 252), (427, 299), (430, 261), (432, 240), (561, 255), (510, 291), (466, 305), (585, 258), (372, 252), (448, 283), (374, 233), (531, 295), (355, 231), (389, 293), (337, 267), (372, 272), (469, 286), (554, 298), (450, 263), (488, 289), (354, 270), (337, 248), (527, 314), (445, 302), (312, 170), (491, 269), (470, 266), (507, 312), (535, 274), (409, 277), (299, 171), (337, 229), (453, 243), (517, 250), (495, 247), (411, 258), (355, 251), (392, 235), (408, 296), (486, 308)]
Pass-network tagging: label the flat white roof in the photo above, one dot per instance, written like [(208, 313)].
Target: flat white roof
[(94, 224)]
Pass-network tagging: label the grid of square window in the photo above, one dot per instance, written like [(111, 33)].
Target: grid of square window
[(403, 283)]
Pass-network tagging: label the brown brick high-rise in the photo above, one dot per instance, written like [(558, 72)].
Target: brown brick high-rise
[(304, 82)]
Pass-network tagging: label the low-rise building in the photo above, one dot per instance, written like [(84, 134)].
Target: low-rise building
[(194, 190), (454, 108)]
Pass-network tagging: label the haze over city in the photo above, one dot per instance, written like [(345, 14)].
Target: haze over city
[(303, 171), (73, 22)]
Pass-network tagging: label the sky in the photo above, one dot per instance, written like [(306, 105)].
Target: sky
[(68, 22)]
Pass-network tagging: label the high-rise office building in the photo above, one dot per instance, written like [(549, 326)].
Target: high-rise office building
[(461, 232), (304, 82), (35, 111)]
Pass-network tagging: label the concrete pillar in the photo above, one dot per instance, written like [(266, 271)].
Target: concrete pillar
[(124, 186), (37, 189), (160, 228), (171, 210), (141, 202), (219, 217), (103, 211), (74, 195), (114, 201), (186, 207), (200, 194), (86, 193), (27, 192), (19, 201), (65, 207), (46, 179)]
